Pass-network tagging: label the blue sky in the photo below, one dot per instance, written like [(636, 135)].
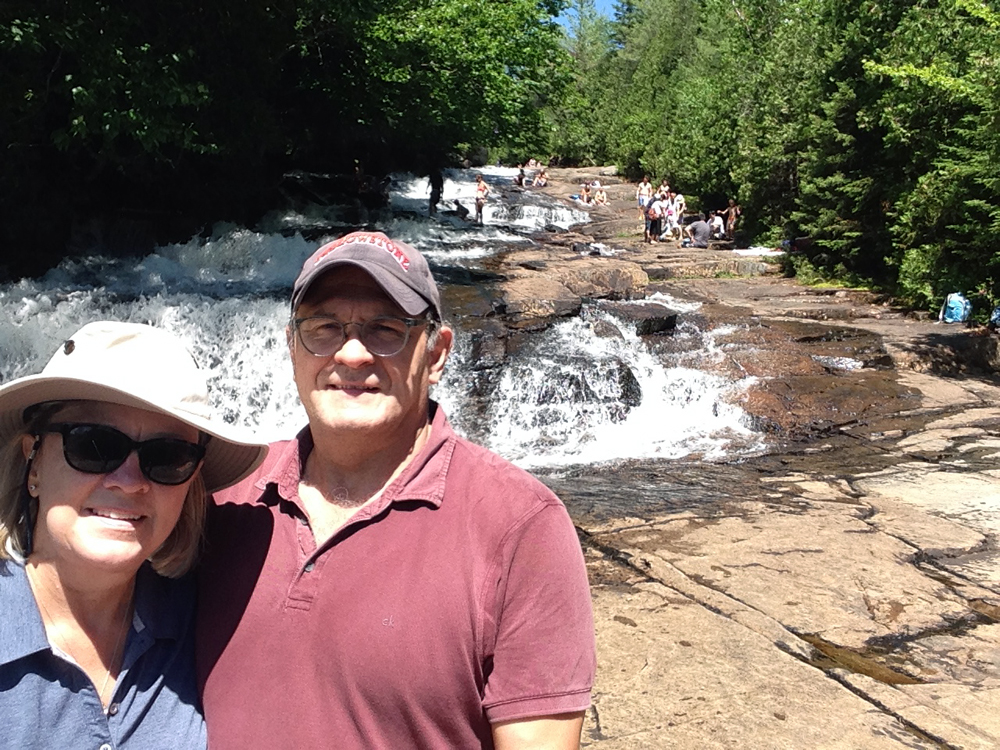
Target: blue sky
[(607, 7)]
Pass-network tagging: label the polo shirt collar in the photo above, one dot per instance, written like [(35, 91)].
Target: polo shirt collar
[(160, 610), (22, 631), (162, 605), (422, 480)]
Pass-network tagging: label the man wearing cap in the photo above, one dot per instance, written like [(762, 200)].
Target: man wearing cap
[(381, 582)]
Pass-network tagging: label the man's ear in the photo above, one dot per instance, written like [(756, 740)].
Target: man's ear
[(438, 356)]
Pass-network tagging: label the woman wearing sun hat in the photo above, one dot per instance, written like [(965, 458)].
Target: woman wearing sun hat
[(107, 458)]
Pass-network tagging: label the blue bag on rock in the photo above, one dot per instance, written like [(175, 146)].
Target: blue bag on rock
[(956, 308)]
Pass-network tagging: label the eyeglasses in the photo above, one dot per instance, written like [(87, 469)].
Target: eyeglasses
[(385, 336), (99, 449)]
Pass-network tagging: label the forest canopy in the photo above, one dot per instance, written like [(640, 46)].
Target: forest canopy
[(182, 106), (870, 127)]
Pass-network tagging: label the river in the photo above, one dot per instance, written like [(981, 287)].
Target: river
[(568, 398)]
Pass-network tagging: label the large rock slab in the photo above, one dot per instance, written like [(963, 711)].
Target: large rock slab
[(673, 674), (834, 576), (533, 301)]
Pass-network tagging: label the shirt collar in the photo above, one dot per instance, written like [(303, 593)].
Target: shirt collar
[(162, 607), (22, 631), (422, 480)]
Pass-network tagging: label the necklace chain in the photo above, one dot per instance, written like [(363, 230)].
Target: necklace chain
[(118, 640)]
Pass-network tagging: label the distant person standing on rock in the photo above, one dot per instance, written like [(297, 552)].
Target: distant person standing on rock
[(437, 188), (482, 191), (732, 215), (644, 196), (678, 206), (699, 232), (655, 213)]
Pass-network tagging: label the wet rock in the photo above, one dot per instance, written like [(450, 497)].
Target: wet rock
[(488, 348), (649, 318), (599, 278), (630, 392), (534, 301), (606, 330)]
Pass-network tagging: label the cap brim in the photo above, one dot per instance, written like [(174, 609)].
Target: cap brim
[(405, 298), (230, 456)]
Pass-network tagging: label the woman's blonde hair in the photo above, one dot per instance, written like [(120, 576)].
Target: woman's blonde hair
[(175, 557)]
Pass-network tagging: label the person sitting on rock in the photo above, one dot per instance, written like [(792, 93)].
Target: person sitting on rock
[(600, 194), (699, 232), (718, 226), (541, 179), (585, 194)]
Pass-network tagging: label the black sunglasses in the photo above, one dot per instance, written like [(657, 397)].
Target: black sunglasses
[(99, 449)]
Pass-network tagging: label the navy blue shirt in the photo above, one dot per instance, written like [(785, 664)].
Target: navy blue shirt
[(48, 702)]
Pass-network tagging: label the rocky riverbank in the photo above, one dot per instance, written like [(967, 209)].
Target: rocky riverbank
[(842, 591)]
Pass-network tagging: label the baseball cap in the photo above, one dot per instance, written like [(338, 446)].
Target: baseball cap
[(397, 267)]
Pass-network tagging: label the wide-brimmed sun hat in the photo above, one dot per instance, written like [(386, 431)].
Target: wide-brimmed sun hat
[(141, 366)]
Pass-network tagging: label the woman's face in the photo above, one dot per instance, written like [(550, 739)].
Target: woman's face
[(110, 521)]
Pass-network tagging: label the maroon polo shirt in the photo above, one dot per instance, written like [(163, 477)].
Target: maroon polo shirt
[(458, 599)]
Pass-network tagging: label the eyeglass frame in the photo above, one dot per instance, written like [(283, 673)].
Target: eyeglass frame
[(410, 323)]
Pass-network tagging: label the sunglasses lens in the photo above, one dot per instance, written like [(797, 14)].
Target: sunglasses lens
[(169, 461), (98, 449), (95, 449)]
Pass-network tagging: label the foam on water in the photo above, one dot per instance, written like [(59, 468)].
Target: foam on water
[(523, 210), (577, 398)]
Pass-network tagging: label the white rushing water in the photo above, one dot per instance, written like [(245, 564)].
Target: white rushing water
[(568, 397)]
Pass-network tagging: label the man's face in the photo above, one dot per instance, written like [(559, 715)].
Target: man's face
[(378, 399)]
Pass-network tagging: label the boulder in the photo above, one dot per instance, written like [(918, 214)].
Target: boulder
[(649, 317), (533, 301), (600, 278)]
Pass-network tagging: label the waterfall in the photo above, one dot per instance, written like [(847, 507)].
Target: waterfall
[(568, 395)]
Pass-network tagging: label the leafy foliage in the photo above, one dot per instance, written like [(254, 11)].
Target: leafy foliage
[(871, 127), (198, 108)]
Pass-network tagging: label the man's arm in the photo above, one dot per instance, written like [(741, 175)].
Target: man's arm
[(561, 732)]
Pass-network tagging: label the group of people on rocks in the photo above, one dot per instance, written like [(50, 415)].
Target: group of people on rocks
[(662, 211), (541, 179), (593, 193)]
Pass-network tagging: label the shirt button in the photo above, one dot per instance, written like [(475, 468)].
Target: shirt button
[(113, 709), (310, 566), (105, 746)]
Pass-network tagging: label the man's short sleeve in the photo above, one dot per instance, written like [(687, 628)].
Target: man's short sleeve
[(544, 657)]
